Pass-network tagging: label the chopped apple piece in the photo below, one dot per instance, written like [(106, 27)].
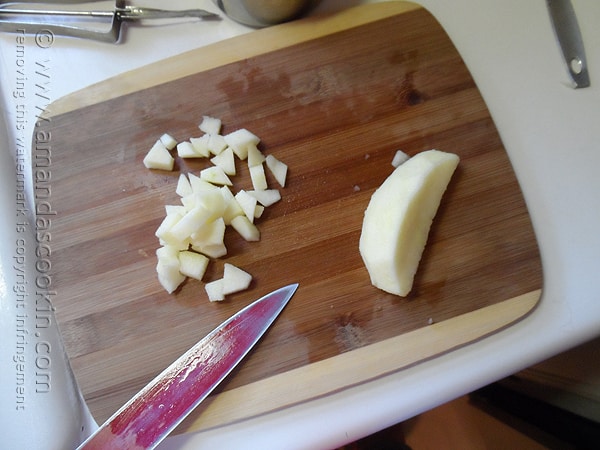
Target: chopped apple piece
[(200, 145), (235, 279), (392, 239), (215, 175), (199, 185), (168, 255), (168, 141), (258, 211), (226, 193), (209, 239), (169, 276), (247, 203), (189, 224), (259, 180), (277, 168), (189, 202), (216, 143), (240, 140), (212, 201), (167, 223), (185, 149), (168, 268), (214, 289), (233, 210), (192, 264), (210, 125), (213, 250), (255, 156), (266, 197), (399, 158), (172, 242), (232, 207), (175, 209), (183, 186), (225, 161), (245, 228), (158, 157)]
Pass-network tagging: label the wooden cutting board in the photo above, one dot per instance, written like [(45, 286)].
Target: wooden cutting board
[(333, 98)]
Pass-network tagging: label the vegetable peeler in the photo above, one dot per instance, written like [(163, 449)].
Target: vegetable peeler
[(72, 22)]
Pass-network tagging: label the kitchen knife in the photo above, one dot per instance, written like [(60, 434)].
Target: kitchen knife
[(569, 37), (158, 408)]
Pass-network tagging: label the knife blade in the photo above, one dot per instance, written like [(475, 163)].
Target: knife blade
[(160, 406), (569, 38)]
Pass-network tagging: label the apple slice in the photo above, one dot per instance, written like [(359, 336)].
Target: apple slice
[(213, 201), (399, 158), (167, 268), (209, 239), (245, 228), (183, 186), (215, 175), (398, 218), (216, 143), (188, 224), (200, 145), (175, 209), (232, 208), (257, 175), (225, 161), (158, 157), (277, 168), (169, 277), (168, 255), (210, 125), (168, 222), (185, 149), (168, 141), (192, 264), (198, 184), (266, 197), (214, 289), (234, 279), (255, 156), (240, 140), (247, 203)]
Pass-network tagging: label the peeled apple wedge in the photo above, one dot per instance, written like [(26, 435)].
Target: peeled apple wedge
[(398, 218)]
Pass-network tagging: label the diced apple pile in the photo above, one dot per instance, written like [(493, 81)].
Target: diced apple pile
[(193, 231), (392, 239)]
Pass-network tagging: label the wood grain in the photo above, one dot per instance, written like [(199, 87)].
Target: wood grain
[(334, 107)]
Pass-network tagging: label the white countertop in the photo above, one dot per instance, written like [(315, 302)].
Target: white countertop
[(551, 134)]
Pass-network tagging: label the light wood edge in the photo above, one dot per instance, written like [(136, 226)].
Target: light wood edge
[(340, 372), (225, 52)]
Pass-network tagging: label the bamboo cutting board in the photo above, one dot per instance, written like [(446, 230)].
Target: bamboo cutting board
[(333, 98)]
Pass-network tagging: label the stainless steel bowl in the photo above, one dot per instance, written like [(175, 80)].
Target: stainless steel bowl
[(262, 13)]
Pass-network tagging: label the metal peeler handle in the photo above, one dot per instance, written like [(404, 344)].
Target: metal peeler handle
[(139, 13), (122, 12)]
